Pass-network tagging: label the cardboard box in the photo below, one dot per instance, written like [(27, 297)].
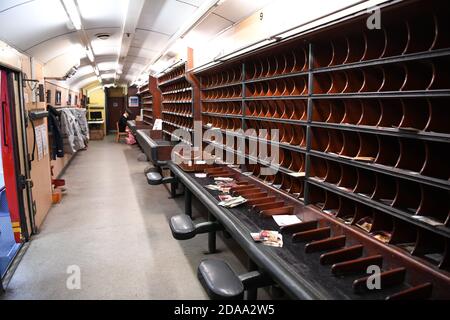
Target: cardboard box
[(96, 134)]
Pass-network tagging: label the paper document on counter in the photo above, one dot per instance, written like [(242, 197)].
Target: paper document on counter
[(232, 202), (286, 220)]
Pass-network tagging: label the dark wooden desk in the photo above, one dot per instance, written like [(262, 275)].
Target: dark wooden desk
[(297, 271)]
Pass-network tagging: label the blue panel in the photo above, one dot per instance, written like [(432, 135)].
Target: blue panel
[(4, 211), (2, 180), (8, 245)]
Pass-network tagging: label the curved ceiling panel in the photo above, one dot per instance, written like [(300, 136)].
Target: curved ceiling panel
[(85, 82), (94, 86), (8, 4), (196, 3), (102, 13), (82, 77), (165, 16), (142, 52), (135, 67), (106, 50), (149, 40), (132, 58), (22, 27), (55, 47), (103, 66), (84, 70), (109, 75), (211, 26), (236, 10), (105, 58), (108, 46)]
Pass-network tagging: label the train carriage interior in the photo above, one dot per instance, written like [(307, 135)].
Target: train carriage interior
[(195, 150)]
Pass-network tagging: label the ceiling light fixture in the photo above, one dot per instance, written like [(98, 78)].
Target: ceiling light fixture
[(126, 30), (103, 36), (73, 13)]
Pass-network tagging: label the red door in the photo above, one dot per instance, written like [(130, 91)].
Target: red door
[(9, 167)]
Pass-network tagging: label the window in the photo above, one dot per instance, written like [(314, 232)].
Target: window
[(58, 98)]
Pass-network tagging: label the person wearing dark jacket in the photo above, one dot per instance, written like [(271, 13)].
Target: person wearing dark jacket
[(123, 121)]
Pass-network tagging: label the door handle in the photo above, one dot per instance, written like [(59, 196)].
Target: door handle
[(5, 141)]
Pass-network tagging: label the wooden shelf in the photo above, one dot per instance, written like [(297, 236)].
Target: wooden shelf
[(172, 80), (178, 99), (364, 114), (178, 114)]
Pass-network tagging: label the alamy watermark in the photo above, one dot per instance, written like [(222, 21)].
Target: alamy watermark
[(373, 281), (373, 22), (73, 281)]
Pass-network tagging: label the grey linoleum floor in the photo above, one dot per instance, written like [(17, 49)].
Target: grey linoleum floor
[(114, 226)]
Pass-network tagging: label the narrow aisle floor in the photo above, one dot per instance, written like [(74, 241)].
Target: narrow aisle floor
[(114, 227)]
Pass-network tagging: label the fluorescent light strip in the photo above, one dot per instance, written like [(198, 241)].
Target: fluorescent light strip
[(73, 13), (90, 54), (126, 5)]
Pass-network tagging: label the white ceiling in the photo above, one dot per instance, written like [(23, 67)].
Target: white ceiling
[(42, 29)]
